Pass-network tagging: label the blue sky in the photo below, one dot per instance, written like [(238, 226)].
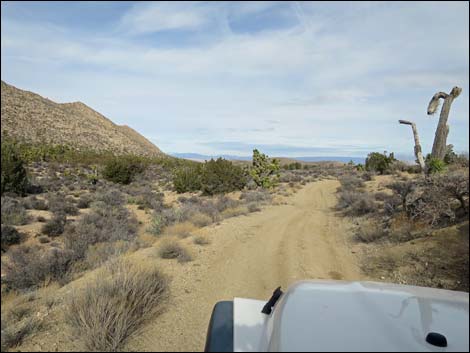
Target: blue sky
[(297, 78)]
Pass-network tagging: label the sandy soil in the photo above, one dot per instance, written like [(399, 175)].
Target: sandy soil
[(249, 256)]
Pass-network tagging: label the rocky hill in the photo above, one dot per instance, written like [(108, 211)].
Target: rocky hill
[(29, 117)]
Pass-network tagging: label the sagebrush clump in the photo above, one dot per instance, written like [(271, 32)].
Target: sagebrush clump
[(114, 306)]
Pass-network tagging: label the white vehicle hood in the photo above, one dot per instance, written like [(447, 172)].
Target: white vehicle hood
[(353, 316)]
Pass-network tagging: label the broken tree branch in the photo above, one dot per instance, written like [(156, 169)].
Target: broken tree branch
[(418, 151)]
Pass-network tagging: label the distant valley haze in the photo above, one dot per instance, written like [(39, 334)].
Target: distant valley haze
[(305, 80)]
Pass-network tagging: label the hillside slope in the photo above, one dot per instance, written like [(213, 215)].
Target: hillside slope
[(29, 117)]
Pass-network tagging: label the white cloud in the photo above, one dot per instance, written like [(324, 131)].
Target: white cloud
[(334, 78), (160, 16)]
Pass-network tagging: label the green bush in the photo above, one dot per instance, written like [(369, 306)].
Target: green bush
[(264, 171), (123, 169), (435, 165), (221, 176), (14, 177), (187, 178), (378, 162)]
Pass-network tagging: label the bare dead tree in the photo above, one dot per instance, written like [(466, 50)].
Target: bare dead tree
[(440, 139), (418, 150)]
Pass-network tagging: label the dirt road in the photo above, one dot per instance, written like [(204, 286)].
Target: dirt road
[(249, 256)]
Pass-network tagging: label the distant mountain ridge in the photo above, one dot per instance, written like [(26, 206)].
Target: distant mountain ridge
[(29, 117), (202, 157)]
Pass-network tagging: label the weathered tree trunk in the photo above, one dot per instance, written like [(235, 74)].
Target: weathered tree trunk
[(440, 139), (418, 150)]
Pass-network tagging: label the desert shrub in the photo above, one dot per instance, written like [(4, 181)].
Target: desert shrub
[(13, 173), (378, 162), (370, 232), (111, 197), (39, 204), (356, 203), (55, 226), (363, 205), (347, 198), (34, 189), (13, 212), (351, 182), (210, 209), (187, 178), (122, 169), (201, 219), (84, 201), (441, 199), (264, 171), (114, 306), (9, 236), (367, 176), (40, 219), (57, 203), (30, 266), (157, 224), (402, 190), (104, 224), (173, 250), (201, 240), (224, 202), (397, 166), (453, 159), (391, 204), (256, 196), (44, 239), (150, 199), (221, 176), (253, 207), (381, 196)]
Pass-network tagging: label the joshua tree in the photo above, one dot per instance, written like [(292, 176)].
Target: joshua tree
[(439, 146), (418, 150)]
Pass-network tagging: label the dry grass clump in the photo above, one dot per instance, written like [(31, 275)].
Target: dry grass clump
[(182, 230), (234, 212), (17, 325), (201, 220), (20, 314), (173, 250), (115, 305), (201, 240), (370, 232), (100, 253)]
